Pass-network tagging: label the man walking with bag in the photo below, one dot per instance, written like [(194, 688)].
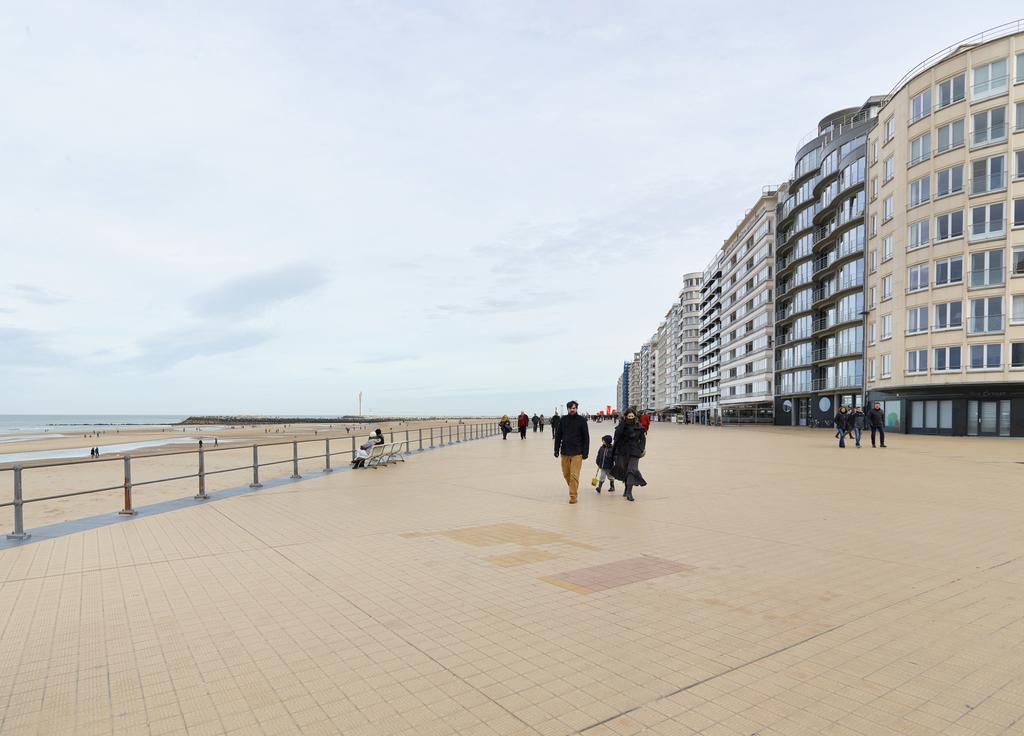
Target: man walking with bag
[(876, 418), (572, 442)]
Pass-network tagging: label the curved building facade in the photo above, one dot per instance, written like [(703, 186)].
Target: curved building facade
[(945, 296), (819, 280)]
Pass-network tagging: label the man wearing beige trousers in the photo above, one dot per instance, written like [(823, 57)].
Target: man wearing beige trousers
[(572, 442)]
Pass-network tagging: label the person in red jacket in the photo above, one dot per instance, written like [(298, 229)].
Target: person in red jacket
[(645, 421), (524, 422)]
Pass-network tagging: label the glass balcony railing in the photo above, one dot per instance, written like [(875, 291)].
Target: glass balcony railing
[(985, 325), (986, 277)]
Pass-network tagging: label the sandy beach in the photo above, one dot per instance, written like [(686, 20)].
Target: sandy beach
[(226, 448)]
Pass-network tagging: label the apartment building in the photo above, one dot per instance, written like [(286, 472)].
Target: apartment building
[(687, 314), (744, 316), (819, 272), (945, 285), (708, 343), (633, 392)]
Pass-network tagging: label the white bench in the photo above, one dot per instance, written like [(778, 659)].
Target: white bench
[(389, 452)]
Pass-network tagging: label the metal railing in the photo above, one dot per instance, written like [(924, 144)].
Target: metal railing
[(424, 438)]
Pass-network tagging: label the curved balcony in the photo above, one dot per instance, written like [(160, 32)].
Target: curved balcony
[(829, 324), (831, 290), (836, 257)]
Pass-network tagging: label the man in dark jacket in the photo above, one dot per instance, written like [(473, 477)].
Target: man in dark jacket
[(876, 419), (857, 420), (524, 422), (842, 425), (555, 419), (536, 420), (572, 442)]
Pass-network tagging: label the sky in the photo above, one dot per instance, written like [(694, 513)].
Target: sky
[(454, 207)]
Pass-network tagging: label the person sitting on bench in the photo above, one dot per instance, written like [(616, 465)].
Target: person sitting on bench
[(363, 453)]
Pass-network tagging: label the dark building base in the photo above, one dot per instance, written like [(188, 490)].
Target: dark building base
[(813, 410), (983, 410)]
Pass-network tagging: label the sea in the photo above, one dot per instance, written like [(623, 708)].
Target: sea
[(56, 423)]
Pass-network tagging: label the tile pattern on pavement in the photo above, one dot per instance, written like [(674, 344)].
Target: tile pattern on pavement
[(803, 590)]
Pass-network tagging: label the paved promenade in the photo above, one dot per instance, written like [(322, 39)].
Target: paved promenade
[(764, 583)]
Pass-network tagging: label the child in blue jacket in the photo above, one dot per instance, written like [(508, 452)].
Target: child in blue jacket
[(605, 462)]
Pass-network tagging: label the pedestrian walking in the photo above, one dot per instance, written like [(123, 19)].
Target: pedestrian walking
[(572, 442), (506, 426), (536, 420), (876, 419), (842, 425), (645, 422), (542, 424), (555, 420), (629, 445), (858, 420), (524, 422), (605, 463)]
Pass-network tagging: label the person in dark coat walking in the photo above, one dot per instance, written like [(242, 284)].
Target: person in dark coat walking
[(542, 423), (842, 425), (876, 419), (605, 463), (555, 419), (629, 446), (857, 420), (536, 420), (524, 422), (506, 426), (572, 442)]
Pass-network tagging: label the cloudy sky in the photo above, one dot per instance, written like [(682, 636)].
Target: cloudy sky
[(455, 207)]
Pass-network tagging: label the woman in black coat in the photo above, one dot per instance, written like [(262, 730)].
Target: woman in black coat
[(629, 446)]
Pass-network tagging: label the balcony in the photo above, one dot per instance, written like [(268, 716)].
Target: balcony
[(989, 324), (994, 181), (835, 287), (832, 383), (837, 351), (989, 136), (840, 318), (988, 230), (986, 278)]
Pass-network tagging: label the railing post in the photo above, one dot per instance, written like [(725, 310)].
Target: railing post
[(19, 512), (431, 438), (202, 476), (255, 468), (391, 437), (327, 455), (128, 510), (458, 433), (420, 430), (353, 448), (407, 447), (295, 461)]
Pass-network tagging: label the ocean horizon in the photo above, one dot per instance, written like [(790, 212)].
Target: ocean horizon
[(18, 423)]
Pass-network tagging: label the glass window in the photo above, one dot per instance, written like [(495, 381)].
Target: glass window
[(1020, 67), (949, 181), (920, 105), (1017, 313), (949, 315), (886, 248), (890, 128), (986, 268), (920, 190), (949, 225), (921, 148), (886, 326), (987, 356), (917, 320), (987, 221), (990, 79), (1019, 168), (889, 169), (949, 136), (988, 174), (1018, 212), (1018, 261), (989, 126), (886, 365), (947, 358), (887, 208), (1017, 354), (887, 287), (917, 277), (986, 315), (949, 271), (1019, 117), (917, 361), (917, 235), (952, 90)]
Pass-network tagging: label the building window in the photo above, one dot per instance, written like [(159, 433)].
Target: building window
[(920, 191), (873, 333), (874, 260), (986, 316), (949, 181), (886, 248), (949, 136), (949, 225), (920, 105), (1018, 212), (1017, 315), (917, 277), (874, 152), (920, 149), (874, 225), (989, 126), (986, 269), (873, 293), (871, 370), (917, 235), (987, 221), (917, 361), (947, 358), (887, 208), (988, 174), (1019, 158), (986, 356), (1018, 261), (1020, 67), (1019, 117), (949, 315), (888, 169), (887, 365), (949, 271), (887, 287), (1017, 355), (874, 188), (952, 90), (917, 320), (990, 80), (890, 128), (886, 326)]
